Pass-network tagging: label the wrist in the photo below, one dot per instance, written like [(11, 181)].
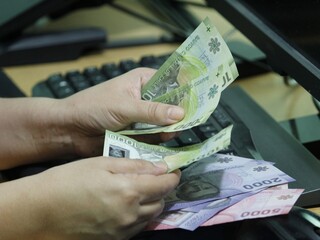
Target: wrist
[(37, 126), (22, 210), (52, 124)]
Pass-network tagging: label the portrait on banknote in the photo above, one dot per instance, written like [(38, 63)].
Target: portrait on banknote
[(196, 188), (118, 152)]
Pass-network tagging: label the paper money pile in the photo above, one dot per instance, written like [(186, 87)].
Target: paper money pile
[(215, 188), (223, 188), (219, 188), (193, 77)]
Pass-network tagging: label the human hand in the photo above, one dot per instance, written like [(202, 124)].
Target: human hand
[(114, 105), (47, 129), (101, 198)]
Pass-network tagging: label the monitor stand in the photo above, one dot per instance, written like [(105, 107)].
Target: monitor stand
[(305, 131), (51, 47)]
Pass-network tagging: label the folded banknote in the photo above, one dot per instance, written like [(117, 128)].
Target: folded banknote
[(117, 145)]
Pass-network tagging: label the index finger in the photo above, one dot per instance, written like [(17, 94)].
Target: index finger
[(153, 188), (146, 75)]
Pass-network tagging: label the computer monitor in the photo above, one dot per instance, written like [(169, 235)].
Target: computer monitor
[(287, 31), (17, 15), (18, 47)]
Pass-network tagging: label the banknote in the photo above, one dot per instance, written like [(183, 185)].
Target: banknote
[(193, 77), (117, 145), (266, 203), (198, 207), (209, 184), (191, 220), (221, 182), (202, 52), (220, 161), (199, 98)]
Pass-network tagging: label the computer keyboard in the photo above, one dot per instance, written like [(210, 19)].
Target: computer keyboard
[(60, 85)]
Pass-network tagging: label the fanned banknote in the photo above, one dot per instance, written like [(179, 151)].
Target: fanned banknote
[(269, 202), (191, 220), (223, 185), (266, 203), (193, 77), (117, 145), (201, 53), (210, 184)]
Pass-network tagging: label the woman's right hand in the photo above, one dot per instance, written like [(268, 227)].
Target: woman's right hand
[(98, 198)]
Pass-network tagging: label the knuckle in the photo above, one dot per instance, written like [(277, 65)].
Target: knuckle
[(160, 208), (130, 197), (153, 110), (142, 164), (130, 201), (129, 220)]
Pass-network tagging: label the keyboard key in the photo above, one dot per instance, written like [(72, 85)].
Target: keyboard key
[(55, 80), (72, 74), (81, 85), (75, 77), (221, 117), (150, 61), (78, 81), (91, 71), (171, 143), (188, 137), (161, 59), (60, 86), (207, 128), (110, 70), (209, 134), (64, 91), (97, 79), (229, 151), (127, 65)]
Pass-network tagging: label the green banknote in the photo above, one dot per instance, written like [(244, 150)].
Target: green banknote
[(199, 98), (193, 77), (117, 145), (202, 52)]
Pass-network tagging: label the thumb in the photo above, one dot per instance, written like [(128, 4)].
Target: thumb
[(136, 166), (156, 113)]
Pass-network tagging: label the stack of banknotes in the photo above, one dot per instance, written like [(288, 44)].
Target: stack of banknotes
[(214, 188), (223, 188), (193, 77)]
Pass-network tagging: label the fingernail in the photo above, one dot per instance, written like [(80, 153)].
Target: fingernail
[(161, 164), (175, 113)]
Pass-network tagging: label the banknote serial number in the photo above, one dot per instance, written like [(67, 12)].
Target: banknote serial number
[(264, 212), (262, 183)]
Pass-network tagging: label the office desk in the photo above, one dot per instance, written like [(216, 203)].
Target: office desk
[(269, 90)]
